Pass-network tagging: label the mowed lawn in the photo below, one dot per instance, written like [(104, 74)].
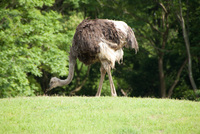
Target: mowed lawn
[(93, 115)]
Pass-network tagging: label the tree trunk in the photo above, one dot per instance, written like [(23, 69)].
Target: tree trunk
[(187, 44), (165, 26), (161, 76)]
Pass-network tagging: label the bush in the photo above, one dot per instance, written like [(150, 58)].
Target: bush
[(31, 42), (191, 95)]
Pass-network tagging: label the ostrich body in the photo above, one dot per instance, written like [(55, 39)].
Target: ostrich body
[(99, 40)]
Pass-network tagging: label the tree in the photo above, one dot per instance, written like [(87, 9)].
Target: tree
[(187, 44), (32, 43)]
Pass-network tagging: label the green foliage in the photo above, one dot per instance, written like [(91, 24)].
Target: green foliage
[(31, 41), (189, 95)]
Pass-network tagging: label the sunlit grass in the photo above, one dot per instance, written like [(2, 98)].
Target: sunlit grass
[(98, 115)]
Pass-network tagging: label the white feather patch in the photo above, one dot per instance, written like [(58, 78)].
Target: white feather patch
[(120, 25), (110, 55)]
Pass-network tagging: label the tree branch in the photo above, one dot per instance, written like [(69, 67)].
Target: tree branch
[(163, 7), (170, 92), (145, 20), (152, 43)]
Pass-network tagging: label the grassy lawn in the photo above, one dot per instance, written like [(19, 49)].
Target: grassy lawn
[(102, 115)]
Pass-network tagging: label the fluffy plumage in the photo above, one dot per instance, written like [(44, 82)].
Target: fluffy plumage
[(99, 40), (94, 38)]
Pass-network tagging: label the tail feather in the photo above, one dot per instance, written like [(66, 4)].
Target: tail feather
[(131, 40)]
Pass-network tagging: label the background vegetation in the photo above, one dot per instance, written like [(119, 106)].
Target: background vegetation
[(36, 35)]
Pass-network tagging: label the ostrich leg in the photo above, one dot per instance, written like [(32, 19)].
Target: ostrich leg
[(112, 86), (103, 72)]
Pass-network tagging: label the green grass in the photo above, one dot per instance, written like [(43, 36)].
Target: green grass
[(102, 115)]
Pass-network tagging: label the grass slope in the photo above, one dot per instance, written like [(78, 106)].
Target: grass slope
[(81, 115)]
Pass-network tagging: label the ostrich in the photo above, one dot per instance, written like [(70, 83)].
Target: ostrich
[(99, 40)]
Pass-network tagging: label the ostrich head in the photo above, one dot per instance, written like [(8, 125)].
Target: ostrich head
[(54, 82)]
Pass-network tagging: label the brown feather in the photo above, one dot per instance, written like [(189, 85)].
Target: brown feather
[(88, 36), (90, 33)]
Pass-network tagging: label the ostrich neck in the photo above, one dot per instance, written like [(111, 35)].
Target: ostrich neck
[(72, 62)]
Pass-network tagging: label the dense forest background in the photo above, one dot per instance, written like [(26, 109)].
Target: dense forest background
[(35, 37)]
